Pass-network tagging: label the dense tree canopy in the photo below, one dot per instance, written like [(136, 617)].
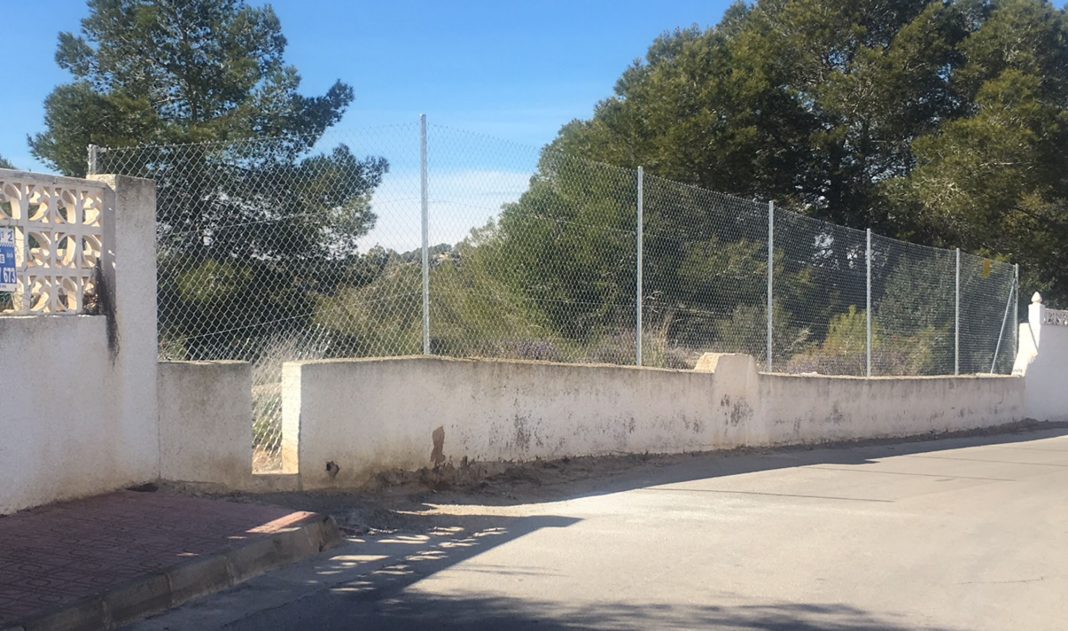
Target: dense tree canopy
[(938, 122), (178, 71), (196, 95)]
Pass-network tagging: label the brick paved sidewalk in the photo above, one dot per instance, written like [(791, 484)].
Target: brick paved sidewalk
[(54, 556)]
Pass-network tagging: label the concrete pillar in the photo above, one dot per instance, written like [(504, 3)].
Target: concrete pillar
[(129, 277), (1036, 314)]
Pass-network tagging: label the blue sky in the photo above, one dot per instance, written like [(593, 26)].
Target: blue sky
[(512, 70), (515, 70)]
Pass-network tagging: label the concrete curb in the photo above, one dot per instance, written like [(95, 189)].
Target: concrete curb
[(180, 583)]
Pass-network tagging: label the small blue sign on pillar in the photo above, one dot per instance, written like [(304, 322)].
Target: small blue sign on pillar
[(8, 278)]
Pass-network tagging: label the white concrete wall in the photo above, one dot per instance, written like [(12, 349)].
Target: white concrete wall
[(78, 393), (205, 422), (1042, 360), (373, 415), (801, 409), (1047, 376), (129, 265), (58, 430), (379, 414)]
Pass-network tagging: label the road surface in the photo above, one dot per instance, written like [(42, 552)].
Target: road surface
[(966, 533)]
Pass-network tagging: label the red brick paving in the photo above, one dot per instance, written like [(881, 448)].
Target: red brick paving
[(55, 555)]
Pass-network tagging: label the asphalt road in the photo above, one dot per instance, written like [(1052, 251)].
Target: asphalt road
[(954, 534)]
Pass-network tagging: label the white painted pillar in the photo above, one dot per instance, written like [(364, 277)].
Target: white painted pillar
[(129, 278)]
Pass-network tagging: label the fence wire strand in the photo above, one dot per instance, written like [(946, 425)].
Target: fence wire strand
[(276, 250)]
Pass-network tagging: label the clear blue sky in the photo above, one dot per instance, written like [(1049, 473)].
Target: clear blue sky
[(511, 69)]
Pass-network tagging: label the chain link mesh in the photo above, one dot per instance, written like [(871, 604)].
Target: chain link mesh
[(913, 308), (274, 250), (546, 270), (984, 310), (819, 297), (283, 249), (705, 274)]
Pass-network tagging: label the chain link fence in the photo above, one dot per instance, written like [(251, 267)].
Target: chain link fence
[(285, 249)]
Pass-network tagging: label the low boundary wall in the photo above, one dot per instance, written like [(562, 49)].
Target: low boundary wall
[(205, 422), (345, 420), (1045, 371), (78, 400)]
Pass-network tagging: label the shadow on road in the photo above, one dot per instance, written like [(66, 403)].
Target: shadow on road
[(400, 538), (414, 610), (512, 484), (373, 583)]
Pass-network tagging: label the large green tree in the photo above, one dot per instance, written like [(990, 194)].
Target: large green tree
[(178, 71), (938, 122), (196, 94)]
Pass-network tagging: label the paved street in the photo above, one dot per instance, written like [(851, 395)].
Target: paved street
[(965, 533)]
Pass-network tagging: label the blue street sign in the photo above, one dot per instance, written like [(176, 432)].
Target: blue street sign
[(8, 280)]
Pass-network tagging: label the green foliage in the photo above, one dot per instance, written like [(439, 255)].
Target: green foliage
[(844, 351), (379, 318), (745, 331), (4, 164), (919, 351), (177, 71), (936, 122), (213, 282), (195, 94), (568, 246)]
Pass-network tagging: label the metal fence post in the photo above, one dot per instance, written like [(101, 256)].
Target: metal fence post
[(424, 203), (638, 284), (1001, 331), (867, 309), (771, 281), (956, 320), (1016, 313), (91, 167)]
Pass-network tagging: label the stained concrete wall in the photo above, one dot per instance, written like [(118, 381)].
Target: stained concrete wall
[(808, 409), (379, 414), (205, 422), (78, 393), (367, 416)]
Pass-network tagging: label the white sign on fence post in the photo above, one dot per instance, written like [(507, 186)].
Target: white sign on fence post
[(8, 279)]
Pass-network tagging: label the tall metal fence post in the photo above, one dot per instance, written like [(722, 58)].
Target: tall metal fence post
[(1016, 313), (93, 150), (956, 319), (1004, 319), (638, 284), (771, 281), (424, 203), (867, 309)]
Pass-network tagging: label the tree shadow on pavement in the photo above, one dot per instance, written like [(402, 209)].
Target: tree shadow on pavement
[(373, 583), (397, 540), (419, 611)]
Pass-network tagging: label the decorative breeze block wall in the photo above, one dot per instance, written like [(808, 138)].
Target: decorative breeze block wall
[(58, 224)]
